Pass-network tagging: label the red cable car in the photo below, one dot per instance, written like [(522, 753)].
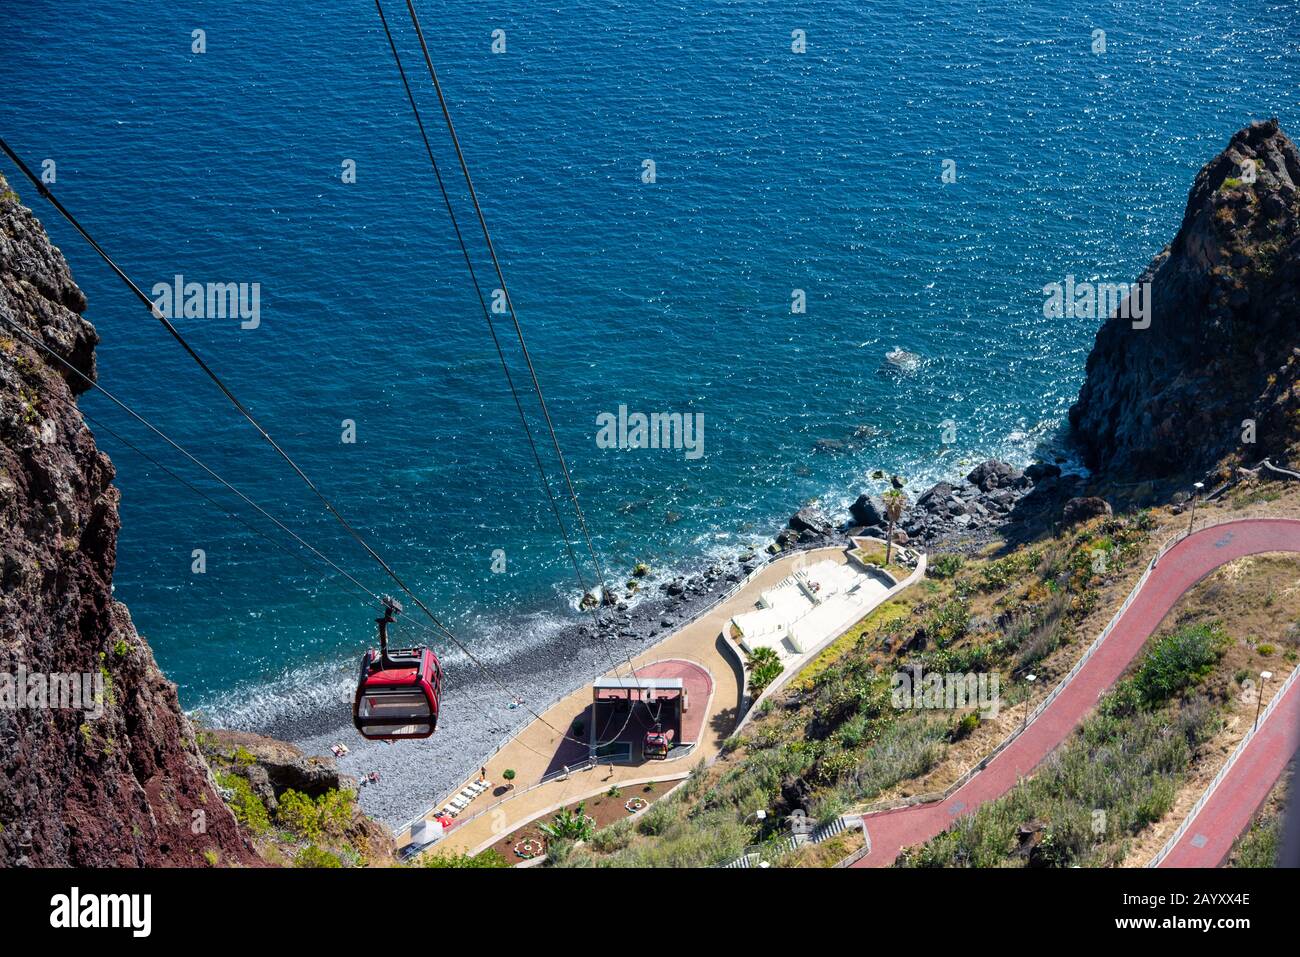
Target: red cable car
[(657, 744), (398, 692)]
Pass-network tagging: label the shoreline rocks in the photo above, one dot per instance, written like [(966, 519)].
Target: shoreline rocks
[(993, 496)]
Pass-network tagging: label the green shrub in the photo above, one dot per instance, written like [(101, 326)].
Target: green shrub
[(313, 856), (568, 825), (491, 858), (1178, 660), (764, 668), (965, 727), (947, 623), (656, 820), (329, 814), (247, 807), (615, 837), (946, 566), (1260, 845)]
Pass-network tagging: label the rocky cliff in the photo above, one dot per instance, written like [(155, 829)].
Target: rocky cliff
[(127, 787), (1213, 376)]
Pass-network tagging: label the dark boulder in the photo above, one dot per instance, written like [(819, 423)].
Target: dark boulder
[(939, 492), (993, 474), (868, 511), (1041, 470), (281, 765), (811, 519), (1081, 509)]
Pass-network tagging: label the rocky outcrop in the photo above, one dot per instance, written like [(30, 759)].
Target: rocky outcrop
[(994, 496), (810, 524), (1214, 373), (111, 777), (868, 511), (279, 766), (1082, 509)]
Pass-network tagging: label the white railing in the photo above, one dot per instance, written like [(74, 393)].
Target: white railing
[(1223, 772), (727, 595), (755, 854), (1279, 470), (949, 791), (860, 611)]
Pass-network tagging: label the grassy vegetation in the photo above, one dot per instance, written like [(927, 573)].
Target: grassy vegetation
[(1114, 777), (832, 740), (1260, 846), (874, 553), (489, 859), (247, 807), (303, 831)]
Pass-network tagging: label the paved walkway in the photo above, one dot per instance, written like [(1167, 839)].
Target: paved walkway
[(532, 752), (1178, 570), (1243, 791)]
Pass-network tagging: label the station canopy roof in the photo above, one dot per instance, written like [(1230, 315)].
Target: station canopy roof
[(628, 683)]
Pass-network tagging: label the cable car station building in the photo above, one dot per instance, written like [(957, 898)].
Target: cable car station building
[(640, 714)]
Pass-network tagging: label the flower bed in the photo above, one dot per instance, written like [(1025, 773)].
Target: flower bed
[(529, 848)]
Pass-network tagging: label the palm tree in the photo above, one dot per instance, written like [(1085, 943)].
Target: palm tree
[(895, 502), (764, 667), (570, 825)]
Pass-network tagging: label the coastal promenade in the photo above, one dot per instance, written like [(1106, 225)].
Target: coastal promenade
[(1175, 572), (532, 754)]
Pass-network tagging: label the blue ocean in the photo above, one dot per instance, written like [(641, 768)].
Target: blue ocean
[(792, 226)]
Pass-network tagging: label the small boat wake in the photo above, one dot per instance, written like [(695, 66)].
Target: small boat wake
[(898, 361)]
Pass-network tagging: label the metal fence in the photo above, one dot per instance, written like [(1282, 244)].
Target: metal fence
[(763, 561), (965, 778), (1223, 772), (756, 855)]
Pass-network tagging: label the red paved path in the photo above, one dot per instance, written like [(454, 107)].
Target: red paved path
[(1243, 792), (1178, 570)]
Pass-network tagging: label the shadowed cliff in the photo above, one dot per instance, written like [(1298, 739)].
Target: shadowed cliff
[(129, 787), (1213, 378)]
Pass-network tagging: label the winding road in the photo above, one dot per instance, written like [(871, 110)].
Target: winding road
[(1181, 567), (1243, 791)]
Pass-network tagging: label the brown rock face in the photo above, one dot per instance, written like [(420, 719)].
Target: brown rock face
[(1214, 375), (127, 788)]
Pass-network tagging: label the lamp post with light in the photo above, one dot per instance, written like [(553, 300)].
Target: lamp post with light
[(1029, 697), (1263, 680), (1195, 495)]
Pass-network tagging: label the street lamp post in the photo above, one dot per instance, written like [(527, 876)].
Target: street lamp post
[(1029, 697), (1195, 495), (1263, 680)]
